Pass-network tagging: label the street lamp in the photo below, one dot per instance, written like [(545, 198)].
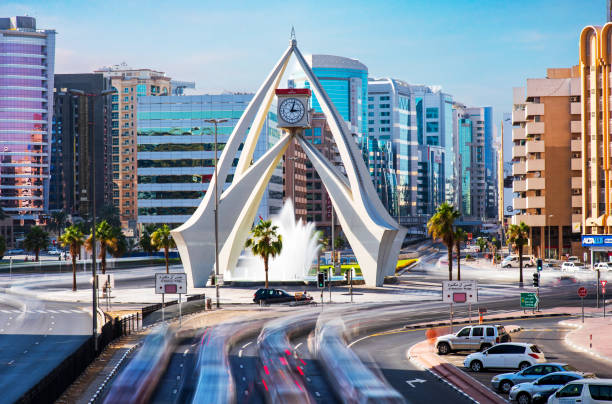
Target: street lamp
[(216, 122), (92, 186)]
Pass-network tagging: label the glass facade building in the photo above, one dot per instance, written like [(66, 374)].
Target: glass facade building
[(27, 57), (176, 153)]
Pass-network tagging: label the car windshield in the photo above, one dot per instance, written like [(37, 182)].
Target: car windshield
[(569, 368)]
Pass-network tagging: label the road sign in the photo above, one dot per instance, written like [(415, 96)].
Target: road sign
[(171, 283), (529, 300), (582, 292), (603, 283), (460, 291)]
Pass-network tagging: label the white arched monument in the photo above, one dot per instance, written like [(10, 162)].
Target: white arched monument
[(374, 236)]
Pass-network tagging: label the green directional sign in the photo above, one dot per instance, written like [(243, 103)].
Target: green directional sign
[(529, 300)]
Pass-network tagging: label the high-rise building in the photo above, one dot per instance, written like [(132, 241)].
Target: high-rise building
[(27, 57), (130, 85), (78, 122), (176, 154), (507, 177), (547, 161), (476, 162)]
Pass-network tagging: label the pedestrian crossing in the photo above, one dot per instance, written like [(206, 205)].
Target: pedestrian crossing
[(43, 311)]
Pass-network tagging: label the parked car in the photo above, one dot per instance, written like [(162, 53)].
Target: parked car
[(524, 393), (279, 296), (472, 338), (512, 261), (584, 391), (570, 266), (54, 251), (504, 382), (15, 251), (509, 355), (573, 259), (603, 266)]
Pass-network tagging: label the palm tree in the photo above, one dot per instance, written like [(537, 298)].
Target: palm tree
[(145, 239), (518, 236), (265, 242), (440, 226), (36, 240), (107, 236), (460, 235), (161, 238), (73, 238)]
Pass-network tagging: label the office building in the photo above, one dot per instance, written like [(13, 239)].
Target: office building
[(547, 161), (78, 122), (507, 210), (27, 57), (130, 85), (176, 154)]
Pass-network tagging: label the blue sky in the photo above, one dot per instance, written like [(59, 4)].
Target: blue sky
[(476, 50)]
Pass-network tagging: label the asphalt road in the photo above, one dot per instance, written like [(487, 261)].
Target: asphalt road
[(177, 384), (244, 367)]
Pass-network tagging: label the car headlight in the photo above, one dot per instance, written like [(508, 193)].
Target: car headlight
[(495, 378)]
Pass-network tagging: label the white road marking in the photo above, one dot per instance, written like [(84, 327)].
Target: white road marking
[(240, 353), (247, 344), (6, 311), (243, 379), (178, 377), (181, 365), (308, 379), (174, 391), (26, 351), (297, 346), (241, 366), (186, 351), (11, 362), (52, 311), (411, 382), (317, 394)]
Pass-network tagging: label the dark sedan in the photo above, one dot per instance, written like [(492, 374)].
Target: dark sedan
[(270, 295)]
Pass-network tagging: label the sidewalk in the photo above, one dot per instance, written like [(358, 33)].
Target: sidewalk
[(591, 337)]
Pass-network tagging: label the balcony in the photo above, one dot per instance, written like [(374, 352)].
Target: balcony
[(536, 146), (518, 116), (519, 186), (576, 126), (519, 203), (519, 168), (576, 164), (534, 109), (530, 220), (535, 128), (575, 108), (576, 201), (534, 202), (518, 134), (535, 165), (576, 145), (536, 183), (518, 151), (577, 182)]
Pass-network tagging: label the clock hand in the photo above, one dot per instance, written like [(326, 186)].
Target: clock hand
[(292, 107)]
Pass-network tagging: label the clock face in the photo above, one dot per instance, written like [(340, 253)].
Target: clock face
[(292, 110)]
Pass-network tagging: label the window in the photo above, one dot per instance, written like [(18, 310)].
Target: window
[(115, 115), (549, 380), (498, 349), (464, 332), (534, 370), (598, 392), (385, 121), (115, 107), (432, 127), (431, 113), (384, 130), (573, 390), (141, 89), (384, 98), (371, 122), (490, 332), (384, 105), (370, 106), (516, 349), (477, 332), (370, 113), (387, 113), (370, 98)]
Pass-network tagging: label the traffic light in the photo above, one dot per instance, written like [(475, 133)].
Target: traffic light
[(540, 264), (321, 279), (536, 280)]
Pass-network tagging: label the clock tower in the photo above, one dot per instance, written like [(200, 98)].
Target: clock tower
[(293, 108)]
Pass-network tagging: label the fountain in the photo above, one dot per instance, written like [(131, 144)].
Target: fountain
[(299, 253)]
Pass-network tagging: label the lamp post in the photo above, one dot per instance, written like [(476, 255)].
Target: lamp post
[(548, 225), (92, 197), (216, 122)]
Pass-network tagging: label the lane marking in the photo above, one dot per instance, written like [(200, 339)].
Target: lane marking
[(240, 353), (247, 344), (298, 346), (317, 394), (185, 353)]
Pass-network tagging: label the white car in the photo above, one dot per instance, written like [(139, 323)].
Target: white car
[(509, 355), (584, 391), (570, 266), (603, 266)]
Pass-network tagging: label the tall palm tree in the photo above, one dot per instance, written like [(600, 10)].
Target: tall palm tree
[(518, 236), (73, 238), (107, 236), (265, 242), (161, 238), (460, 236), (440, 226), (36, 240)]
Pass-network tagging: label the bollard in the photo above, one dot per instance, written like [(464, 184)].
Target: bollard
[(208, 303), (591, 341)]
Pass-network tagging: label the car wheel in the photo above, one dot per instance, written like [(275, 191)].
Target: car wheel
[(476, 366), (484, 346), (523, 398), (443, 348), (505, 386), (524, 365)]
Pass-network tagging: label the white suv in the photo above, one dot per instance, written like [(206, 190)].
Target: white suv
[(472, 338), (570, 266), (585, 391), (511, 355)]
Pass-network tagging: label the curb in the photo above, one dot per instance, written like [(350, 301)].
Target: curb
[(578, 347), (446, 323)]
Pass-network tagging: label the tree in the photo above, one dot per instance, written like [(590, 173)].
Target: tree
[(2, 247), (265, 242), (36, 240), (339, 243), (460, 236), (145, 239), (440, 226), (73, 238), (161, 238), (518, 236), (481, 242), (107, 236), (110, 213), (58, 222), (322, 243)]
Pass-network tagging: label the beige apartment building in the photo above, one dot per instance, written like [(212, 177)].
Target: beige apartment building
[(547, 161), (130, 84)]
